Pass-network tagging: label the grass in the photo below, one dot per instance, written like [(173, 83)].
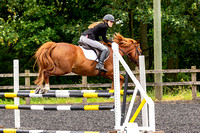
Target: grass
[(181, 95)]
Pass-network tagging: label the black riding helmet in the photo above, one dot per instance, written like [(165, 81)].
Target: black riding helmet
[(109, 17)]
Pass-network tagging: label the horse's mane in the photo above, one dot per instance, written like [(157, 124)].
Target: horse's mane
[(119, 39)]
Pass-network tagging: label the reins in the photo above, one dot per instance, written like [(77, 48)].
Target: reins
[(137, 52), (130, 56)]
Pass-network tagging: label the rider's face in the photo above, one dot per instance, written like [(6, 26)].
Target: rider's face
[(110, 23)]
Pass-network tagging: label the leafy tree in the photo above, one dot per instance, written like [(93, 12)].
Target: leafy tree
[(26, 25), (180, 33)]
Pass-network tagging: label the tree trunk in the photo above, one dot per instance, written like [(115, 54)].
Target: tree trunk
[(131, 23), (131, 29), (144, 43), (171, 63)]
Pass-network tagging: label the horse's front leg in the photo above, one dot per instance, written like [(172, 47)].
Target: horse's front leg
[(121, 82)]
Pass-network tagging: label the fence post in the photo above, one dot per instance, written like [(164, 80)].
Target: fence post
[(194, 79), (27, 83), (84, 83)]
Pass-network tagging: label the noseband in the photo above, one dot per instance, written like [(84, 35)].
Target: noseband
[(136, 53)]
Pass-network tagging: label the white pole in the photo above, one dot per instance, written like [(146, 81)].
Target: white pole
[(16, 89), (116, 88), (131, 106), (143, 84)]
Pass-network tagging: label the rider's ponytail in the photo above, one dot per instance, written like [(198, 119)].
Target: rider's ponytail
[(94, 24)]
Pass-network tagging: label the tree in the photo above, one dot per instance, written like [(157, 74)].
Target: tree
[(26, 25)]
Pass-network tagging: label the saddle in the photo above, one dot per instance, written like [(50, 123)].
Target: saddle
[(96, 51)]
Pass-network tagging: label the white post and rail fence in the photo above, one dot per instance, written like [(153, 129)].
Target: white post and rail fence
[(194, 83)]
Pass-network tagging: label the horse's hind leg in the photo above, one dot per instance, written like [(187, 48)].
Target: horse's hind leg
[(37, 90), (40, 89), (47, 74), (46, 87)]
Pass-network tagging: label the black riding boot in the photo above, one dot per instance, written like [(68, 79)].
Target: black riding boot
[(100, 64)]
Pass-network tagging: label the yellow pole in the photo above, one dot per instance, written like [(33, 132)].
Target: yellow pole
[(7, 130), (138, 111), (88, 94), (11, 106), (91, 107), (10, 94)]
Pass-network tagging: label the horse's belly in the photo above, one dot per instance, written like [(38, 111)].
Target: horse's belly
[(87, 71)]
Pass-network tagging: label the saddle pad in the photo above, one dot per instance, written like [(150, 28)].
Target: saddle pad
[(90, 54)]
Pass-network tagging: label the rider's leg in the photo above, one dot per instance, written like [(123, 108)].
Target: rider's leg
[(99, 46), (92, 43), (100, 64)]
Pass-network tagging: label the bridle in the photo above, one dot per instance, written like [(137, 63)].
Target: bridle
[(136, 53)]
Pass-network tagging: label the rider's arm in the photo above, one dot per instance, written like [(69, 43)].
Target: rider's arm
[(105, 39), (102, 30)]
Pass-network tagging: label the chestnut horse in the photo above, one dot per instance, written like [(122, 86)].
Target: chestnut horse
[(62, 58)]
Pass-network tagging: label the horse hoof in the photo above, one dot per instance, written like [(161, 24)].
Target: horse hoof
[(37, 90), (42, 91), (45, 91)]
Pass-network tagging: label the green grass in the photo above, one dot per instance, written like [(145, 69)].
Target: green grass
[(170, 96), (178, 96)]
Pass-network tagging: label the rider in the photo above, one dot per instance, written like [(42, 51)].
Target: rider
[(91, 37)]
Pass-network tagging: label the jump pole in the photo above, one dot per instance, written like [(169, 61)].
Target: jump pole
[(129, 92), (88, 95), (16, 89), (10, 130), (58, 107)]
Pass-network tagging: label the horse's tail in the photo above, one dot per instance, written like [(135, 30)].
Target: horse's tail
[(44, 61)]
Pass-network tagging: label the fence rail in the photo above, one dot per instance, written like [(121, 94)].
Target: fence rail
[(84, 84)]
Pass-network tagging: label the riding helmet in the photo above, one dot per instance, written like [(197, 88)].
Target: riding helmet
[(109, 17)]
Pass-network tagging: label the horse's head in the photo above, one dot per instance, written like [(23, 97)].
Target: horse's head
[(128, 47)]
